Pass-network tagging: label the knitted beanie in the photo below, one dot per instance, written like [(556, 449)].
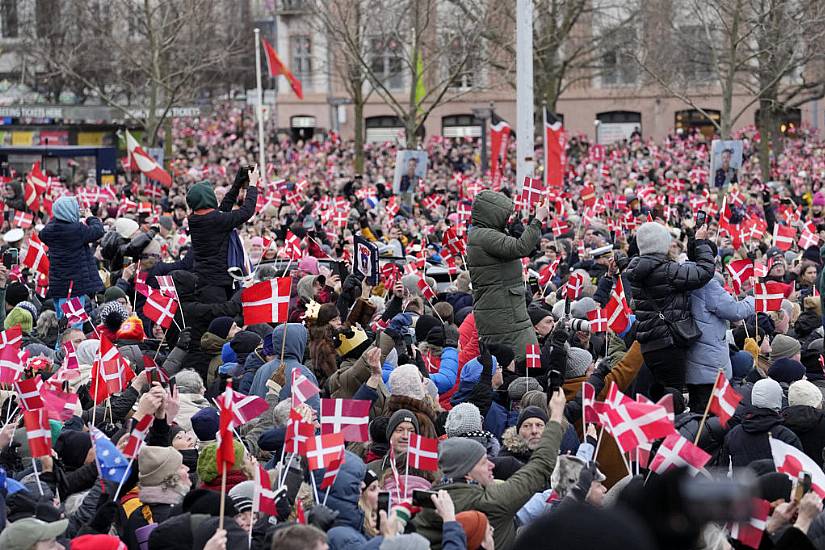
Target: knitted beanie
[(112, 315), (424, 325), (157, 464), (530, 412), (786, 370), (220, 327), (131, 329), (208, 461), (784, 346), (767, 394), (201, 195), (578, 360), (242, 495), (741, 364), (537, 314), (475, 527), (522, 385), (503, 354), (399, 416), (803, 392), (457, 456), (653, 238), (405, 380), (462, 419), (126, 227), (16, 293), (19, 316), (205, 424), (581, 307), (113, 293), (30, 307)]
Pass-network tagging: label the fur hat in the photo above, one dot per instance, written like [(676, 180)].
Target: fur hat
[(462, 419), (784, 346), (566, 474), (406, 380), (653, 238), (767, 394), (803, 392), (156, 465), (578, 360)]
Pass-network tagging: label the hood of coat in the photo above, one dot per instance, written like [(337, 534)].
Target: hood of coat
[(296, 340), (758, 420), (802, 418), (344, 493), (186, 283), (513, 443), (212, 343), (491, 210), (304, 287)]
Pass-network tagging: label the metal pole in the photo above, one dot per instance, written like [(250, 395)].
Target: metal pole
[(260, 109), (525, 128), (485, 161)]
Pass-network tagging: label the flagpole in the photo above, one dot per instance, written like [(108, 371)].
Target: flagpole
[(180, 304), (123, 479), (223, 497), (598, 443), (260, 109), (707, 408), (37, 475)]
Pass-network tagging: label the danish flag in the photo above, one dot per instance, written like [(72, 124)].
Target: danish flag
[(617, 309), (808, 239), (768, 296), (575, 285), (740, 271), (225, 456), (264, 500), (750, 533), (425, 289), (145, 163), (633, 423), (60, 405), (533, 357), (532, 191), (23, 220), (39, 432), (791, 461), (74, 312), (292, 245), (323, 450), (547, 272), (762, 270), (138, 436), (724, 399), (559, 227), (783, 236), (36, 257), (423, 453), (110, 373), (302, 388), (267, 301), (28, 392), (10, 366), (244, 408), (589, 403), (347, 416), (676, 451), (598, 320), (160, 308), (297, 434), (331, 471), (167, 285)]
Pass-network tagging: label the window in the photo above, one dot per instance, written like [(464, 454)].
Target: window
[(47, 17), (459, 52), (619, 66), (8, 18), (301, 49), (386, 62), (695, 64)]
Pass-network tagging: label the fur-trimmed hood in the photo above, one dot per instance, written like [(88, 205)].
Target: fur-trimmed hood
[(512, 444)]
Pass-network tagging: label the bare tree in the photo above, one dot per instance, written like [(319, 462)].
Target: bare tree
[(417, 55)]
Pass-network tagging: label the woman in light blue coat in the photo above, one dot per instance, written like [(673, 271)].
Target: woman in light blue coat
[(712, 309)]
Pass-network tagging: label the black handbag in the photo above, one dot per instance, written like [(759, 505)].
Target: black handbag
[(684, 331)]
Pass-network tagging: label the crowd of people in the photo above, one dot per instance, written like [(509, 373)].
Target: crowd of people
[(637, 280)]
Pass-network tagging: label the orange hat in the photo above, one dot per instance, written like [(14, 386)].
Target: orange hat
[(131, 329), (475, 527)]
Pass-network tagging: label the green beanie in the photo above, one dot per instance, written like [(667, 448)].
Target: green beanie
[(113, 293), (201, 195), (208, 461), (19, 316)]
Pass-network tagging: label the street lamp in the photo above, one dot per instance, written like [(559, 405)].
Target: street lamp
[(483, 114)]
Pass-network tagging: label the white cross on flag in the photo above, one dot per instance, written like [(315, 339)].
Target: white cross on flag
[(36, 257), (724, 399), (423, 453), (760, 269), (39, 432), (807, 240), (791, 461), (633, 423), (323, 450), (147, 165), (28, 393), (347, 416), (110, 373), (750, 533), (740, 271), (768, 296), (60, 405), (783, 236), (533, 357), (138, 436), (160, 308), (74, 312), (617, 309), (575, 285), (676, 451), (297, 434), (23, 220), (292, 245), (532, 191), (264, 500), (425, 289), (244, 408), (559, 227), (10, 367), (588, 403), (302, 388), (167, 285), (598, 320), (547, 272), (267, 301), (331, 471)]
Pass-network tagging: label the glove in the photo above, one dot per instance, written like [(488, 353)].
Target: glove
[(10, 458), (282, 506), (560, 335), (586, 477), (322, 517), (104, 515), (603, 369), (241, 177), (450, 336), (484, 357), (184, 339)]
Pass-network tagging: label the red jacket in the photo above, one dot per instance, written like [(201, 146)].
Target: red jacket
[(467, 350)]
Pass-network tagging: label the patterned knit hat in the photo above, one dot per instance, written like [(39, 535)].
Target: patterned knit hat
[(463, 418)]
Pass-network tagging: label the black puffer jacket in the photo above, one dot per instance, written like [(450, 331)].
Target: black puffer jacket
[(662, 285), (808, 424), (749, 441)]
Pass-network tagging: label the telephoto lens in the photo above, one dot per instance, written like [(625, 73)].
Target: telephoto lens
[(579, 325)]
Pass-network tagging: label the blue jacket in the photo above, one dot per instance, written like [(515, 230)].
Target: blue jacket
[(296, 342), (497, 418), (444, 379), (712, 307), (347, 532), (71, 258), (250, 367)]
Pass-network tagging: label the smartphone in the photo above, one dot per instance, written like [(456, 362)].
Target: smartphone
[(555, 380), (534, 285), (423, 498), (11, 257), (701, 218), (383, 504), (802, 486)]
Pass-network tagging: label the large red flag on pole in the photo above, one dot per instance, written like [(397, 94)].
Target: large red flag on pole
[(553, 150), (276, 67)]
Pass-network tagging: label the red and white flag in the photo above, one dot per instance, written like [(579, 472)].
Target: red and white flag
[(11, 367), (533, 357), (12, 336), (37, 255), (760, 269), (225, 456), (302, 388), (588, 403), (532, 192), (23, 220), (724, 399), (244, 408), (598, 320), (28, 393), (676, 451), (111, 373), (138, 436), (276, 67), (807, 240), (547, 272), (783, 236), (425, 289), (347, 416), (323, 450), (750, 533), (60, 405), (264, 500), (74, 311), (160, 308), (575, 285), (791, 461), (147, 165), (167, 285), (768, 296), (423, 453), (267, 301), (617, 309), (297, 434), (39, 432), (633, 423), (740, 271), (331, 471)]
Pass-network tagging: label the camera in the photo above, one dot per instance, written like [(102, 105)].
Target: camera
[(10, 258), (578, 325)]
